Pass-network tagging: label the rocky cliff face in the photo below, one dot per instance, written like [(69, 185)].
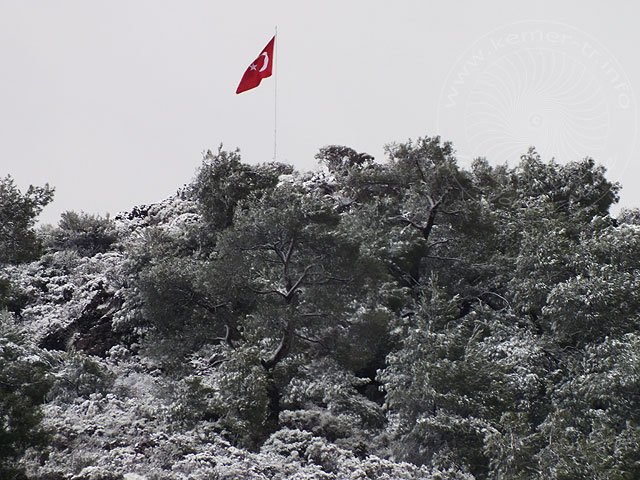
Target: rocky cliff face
[(92, 332)]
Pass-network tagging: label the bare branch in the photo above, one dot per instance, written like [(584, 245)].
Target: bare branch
[(264, 246), (497, 295), (410, 222), (266, 292), (426, 231), (217, 362), (290, 250), (437, 257), (432, 204), (439, 242), (285, 257), (331, 278), (453, 212), (295, 286), (227, 336), (311, 340)]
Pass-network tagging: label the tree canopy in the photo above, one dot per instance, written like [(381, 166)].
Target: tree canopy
[(477, 322), (18, 212)]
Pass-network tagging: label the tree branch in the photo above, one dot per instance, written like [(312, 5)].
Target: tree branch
[(266, 292), (311, 340), (439, 242), (283, 349), (295, 286), (422, 175), (437, 257)]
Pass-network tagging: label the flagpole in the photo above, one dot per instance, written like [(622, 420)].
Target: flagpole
[(275, 98)]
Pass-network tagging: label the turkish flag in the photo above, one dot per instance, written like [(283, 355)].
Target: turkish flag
[(260, 68)]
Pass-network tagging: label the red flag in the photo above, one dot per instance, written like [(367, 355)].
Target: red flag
[(260, 68)]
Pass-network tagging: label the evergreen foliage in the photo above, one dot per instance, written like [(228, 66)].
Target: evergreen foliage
[(402, 319), (18, 211), (85, 233), (24, 382)]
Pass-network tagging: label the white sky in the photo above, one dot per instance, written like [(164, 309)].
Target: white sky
[(113, 102)]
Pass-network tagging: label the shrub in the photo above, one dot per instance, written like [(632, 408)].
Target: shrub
[(85, 233), (24, 383)]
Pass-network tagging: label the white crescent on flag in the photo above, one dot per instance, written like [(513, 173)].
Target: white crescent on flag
[(266, 62)]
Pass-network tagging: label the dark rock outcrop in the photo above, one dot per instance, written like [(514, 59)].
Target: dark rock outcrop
[(92, 331)]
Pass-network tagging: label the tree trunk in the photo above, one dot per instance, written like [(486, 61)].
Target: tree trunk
[(283, 349)]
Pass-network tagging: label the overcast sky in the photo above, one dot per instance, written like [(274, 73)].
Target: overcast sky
[(113, 102)]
